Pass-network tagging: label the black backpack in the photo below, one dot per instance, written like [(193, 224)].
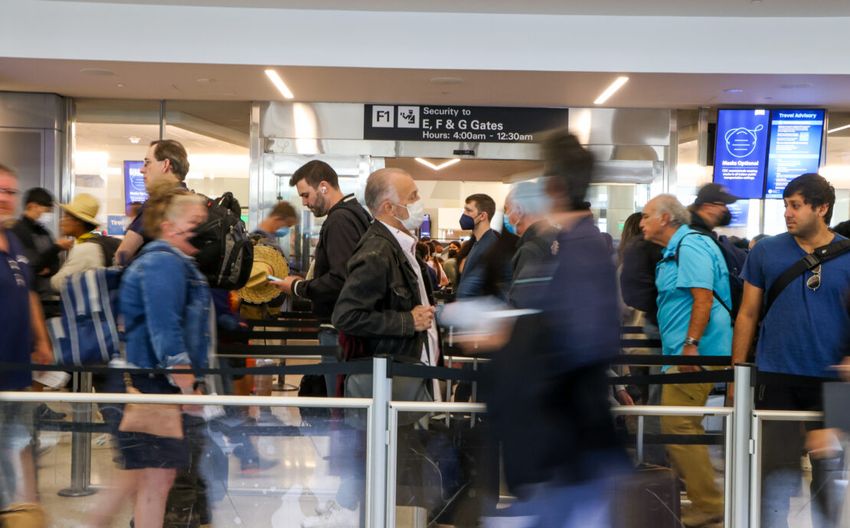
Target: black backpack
[(109, 245), (225, 253), (735, 258)]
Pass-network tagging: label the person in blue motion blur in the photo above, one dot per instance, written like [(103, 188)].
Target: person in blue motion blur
[(560, 448)]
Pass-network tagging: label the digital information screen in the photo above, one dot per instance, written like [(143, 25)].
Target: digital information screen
[(796, 137), (740, 152), (134, 183), (740, 213)]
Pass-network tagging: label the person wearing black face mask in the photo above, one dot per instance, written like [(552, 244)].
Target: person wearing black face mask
[(710, 209)]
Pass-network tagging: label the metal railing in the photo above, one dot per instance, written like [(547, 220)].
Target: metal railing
[(742, 436)]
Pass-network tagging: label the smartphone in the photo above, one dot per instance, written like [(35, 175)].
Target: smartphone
[(273, 278)]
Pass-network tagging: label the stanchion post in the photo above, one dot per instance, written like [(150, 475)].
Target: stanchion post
[(377, 493), (742, 435), (80, 443)]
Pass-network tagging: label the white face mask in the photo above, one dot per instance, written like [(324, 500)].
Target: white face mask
[(415, 215)]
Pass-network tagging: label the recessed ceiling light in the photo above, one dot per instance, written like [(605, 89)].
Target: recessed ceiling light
[(99, 72), (204, 80), (278, 83), (120, 85), (435, 167), (611, 90), (446, 80), (134, 139), (733, 90)]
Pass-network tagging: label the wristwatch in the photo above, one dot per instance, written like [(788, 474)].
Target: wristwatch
[(691, 341)]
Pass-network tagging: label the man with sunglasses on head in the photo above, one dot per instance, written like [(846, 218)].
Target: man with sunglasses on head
[(796, 285)]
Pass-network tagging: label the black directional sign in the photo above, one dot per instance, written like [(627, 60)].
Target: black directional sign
[(491, 124)]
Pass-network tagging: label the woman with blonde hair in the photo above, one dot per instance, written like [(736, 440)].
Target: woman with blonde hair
[(165, 302)]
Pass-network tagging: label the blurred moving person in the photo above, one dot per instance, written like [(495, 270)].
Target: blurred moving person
[(693, 285), (40, 248), (526, 207), (560, 447), (23, 340), (802, 336)]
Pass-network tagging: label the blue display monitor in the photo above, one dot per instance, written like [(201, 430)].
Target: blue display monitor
[(796, 139), (425, 228), (134, 183), (741, 151)]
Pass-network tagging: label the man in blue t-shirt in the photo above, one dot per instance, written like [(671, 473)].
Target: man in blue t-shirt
[(800, 341), (23, 339), (693, 286)]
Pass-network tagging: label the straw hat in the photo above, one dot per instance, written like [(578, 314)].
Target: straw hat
[(267, 261), (83, 207)]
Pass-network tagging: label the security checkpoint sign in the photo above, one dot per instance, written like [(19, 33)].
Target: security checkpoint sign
[(489, 124)]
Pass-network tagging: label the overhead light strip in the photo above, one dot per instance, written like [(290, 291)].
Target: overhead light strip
[(439, 167), (279, 84), (845, 127), (611, 90)]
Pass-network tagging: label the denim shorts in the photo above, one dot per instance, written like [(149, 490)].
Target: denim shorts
[(142, 451)]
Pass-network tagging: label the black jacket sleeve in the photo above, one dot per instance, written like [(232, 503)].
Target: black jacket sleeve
[(342, 233), (38, 261), (361, 309)]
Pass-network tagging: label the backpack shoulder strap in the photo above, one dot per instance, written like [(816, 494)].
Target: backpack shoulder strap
[(713, 292), (810, 261)]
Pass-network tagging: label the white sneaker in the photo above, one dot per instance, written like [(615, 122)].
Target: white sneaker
[(332, 516)]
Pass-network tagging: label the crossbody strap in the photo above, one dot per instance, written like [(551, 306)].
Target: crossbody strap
[(713, 291), (810, 261)]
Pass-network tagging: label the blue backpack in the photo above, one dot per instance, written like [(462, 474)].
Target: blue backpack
[(87, 331)]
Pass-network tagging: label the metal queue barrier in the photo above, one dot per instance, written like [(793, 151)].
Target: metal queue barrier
[(742, 436)]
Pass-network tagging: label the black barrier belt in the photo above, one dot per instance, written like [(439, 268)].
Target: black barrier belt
[(351, 367), (703, 376), (655, 359), (242, 349), (675, 439), (640, 343), (631, 330), (292, 334), (284, 323), (296, 315), (425, 372)]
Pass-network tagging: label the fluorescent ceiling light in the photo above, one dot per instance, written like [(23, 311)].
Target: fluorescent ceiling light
[(845, 127), (279, 84), (611, 90), (441, 166)]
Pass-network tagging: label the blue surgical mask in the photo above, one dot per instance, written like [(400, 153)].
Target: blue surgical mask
[(508, 226), (283, 232), (467, 222)]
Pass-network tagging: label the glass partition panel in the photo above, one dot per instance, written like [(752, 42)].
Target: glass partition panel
[(447, 470), (238, 467)]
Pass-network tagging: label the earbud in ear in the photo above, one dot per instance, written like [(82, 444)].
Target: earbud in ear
[(324, 190)]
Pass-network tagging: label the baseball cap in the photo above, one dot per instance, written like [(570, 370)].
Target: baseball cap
[(714, 193)]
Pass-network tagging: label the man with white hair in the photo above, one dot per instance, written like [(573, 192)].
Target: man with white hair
[(526, 207), (693, 283)]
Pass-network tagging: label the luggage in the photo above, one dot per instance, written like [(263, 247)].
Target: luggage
[(87, 333), (648, 498), (225, 253)]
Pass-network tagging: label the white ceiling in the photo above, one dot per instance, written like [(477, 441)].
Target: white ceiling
[(698, 8), (215, 82)]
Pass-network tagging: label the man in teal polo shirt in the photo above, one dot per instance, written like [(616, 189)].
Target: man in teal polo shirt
[(692, 322)]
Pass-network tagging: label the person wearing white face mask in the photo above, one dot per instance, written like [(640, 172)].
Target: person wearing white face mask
[(386, 307)]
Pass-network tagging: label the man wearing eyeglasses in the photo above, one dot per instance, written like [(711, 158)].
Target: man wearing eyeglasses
[(800, 340)]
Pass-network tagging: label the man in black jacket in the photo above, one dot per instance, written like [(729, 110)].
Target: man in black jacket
[(40, 248), (318, 186), (386, 301)]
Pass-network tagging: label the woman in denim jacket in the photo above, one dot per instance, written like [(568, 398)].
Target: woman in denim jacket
[(165, 302)]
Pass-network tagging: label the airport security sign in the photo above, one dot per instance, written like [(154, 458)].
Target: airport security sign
[(490, 124)]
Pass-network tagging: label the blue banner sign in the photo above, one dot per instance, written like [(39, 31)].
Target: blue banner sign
[(115, 225), (134, 182), (740, 151), (796, 137)]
